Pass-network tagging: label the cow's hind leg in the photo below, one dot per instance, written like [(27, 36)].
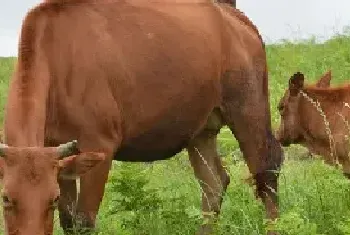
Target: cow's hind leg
[(245, 110), (211, 175)]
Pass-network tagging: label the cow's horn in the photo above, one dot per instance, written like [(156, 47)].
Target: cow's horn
[(68, 149), (2, 146)]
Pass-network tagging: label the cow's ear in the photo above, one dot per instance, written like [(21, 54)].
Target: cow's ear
[(325, 80), (73, 167), (296, 83)]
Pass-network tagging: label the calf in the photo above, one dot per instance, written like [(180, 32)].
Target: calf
[(315, 116)]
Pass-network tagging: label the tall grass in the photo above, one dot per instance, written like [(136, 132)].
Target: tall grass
[(164, 198)]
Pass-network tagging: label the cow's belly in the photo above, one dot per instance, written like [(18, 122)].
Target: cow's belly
[(166, 135), (138, 151)]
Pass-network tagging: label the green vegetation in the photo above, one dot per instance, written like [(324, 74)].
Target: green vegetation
[(164, 198)]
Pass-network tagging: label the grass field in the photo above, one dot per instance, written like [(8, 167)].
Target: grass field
[(164, 198)]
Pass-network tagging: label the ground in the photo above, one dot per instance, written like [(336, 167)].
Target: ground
[(164, 198)]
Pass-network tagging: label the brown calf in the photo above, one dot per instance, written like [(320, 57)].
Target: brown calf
[(316, 116), (138, 81)]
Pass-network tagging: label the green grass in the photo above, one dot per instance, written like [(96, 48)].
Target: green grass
[(164, 198)]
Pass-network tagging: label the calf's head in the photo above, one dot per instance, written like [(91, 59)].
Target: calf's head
[(289, 131), (30, 191)]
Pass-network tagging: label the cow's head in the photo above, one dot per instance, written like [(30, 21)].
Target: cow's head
[(289, 131), (30, 190)]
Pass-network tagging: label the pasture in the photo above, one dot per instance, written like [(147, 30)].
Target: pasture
[(164, 197)]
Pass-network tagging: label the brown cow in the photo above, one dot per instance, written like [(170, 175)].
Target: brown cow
[(316, 117), (137, 81)]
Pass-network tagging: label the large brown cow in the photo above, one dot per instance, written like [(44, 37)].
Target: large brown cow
[(316, 116), (135, 81)]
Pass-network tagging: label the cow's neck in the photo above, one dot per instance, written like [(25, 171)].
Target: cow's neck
[(25, 113), (316, 110), (332, 95)]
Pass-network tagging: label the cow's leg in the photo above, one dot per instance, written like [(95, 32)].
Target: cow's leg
[(67, 204), (246, 111), (224, 176), (92, 186), (342, 151), (211, 175), (326, 152), (68, 198), (254, 141), (346, 168), (81, 218)]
